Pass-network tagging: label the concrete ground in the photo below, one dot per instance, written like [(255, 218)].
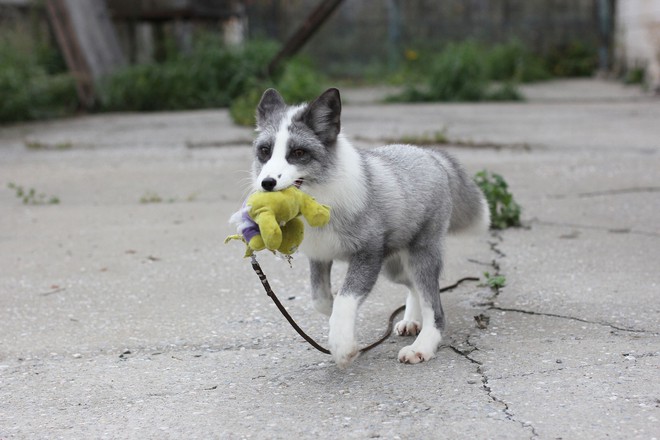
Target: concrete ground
[(123, 315)]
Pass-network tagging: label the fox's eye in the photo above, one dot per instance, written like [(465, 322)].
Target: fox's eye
[(263, 151), (299, 153)]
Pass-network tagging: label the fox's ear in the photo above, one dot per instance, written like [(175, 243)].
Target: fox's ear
[(271, 102), (323, 116)]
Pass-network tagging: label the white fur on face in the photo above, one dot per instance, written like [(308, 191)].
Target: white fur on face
[(277, 166)]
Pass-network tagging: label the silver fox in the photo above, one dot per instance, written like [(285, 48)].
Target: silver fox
[(391, 209)]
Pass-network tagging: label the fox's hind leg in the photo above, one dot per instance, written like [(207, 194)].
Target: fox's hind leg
[(321, 288), (395, 271), (424, 267), (411, 324)]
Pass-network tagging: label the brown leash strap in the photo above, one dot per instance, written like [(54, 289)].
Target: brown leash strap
[(390, 326)]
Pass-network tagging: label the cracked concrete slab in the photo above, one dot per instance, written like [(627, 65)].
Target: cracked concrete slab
[(126, 319), (592, 378)]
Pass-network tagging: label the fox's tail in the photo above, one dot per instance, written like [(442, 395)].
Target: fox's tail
[(470, 212)]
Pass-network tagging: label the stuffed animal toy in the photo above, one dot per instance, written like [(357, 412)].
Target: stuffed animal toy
[(271, 220)]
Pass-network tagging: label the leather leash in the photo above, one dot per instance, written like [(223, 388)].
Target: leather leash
[(390, 326)]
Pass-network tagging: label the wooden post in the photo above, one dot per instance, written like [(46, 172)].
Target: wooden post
[(312, 24), (88, 41)]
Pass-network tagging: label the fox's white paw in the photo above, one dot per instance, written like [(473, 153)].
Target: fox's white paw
[(407, 328), (341, 337), (323, 306), (344, 350), (344, 355), (412, 355)]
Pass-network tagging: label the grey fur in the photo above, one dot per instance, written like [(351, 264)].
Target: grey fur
[(391, 208), (270, 108), (435, 196)]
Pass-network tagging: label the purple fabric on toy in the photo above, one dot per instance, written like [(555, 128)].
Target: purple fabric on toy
[(248, 228), (245, 226)]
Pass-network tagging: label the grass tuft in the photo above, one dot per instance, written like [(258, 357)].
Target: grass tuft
[(33, 82), (30, 196), (504, 211)]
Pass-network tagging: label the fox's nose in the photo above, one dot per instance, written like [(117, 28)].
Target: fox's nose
[(268, 183)]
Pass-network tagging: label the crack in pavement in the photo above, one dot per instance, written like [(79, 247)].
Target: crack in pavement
[(573, 318), (431, 140), (466, 353), (536, 221), (459, 348), (506, 410), (625, 358), (610, 192)]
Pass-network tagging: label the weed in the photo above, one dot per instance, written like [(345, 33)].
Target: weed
[(153, 197), (39, 145), (211, 76), (192, 197), (243, 108), (32, 82), (437, 138), (30, 196), (495, 281), (504, 92), (150, 197), (504, 211), (297, 82), (465, 71), (460, 72), (513, 62), (635, 76), (572, 59)]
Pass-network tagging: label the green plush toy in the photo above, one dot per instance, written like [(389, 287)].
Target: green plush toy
[(271, 220)]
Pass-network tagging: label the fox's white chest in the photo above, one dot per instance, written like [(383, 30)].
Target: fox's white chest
[(323, 244)]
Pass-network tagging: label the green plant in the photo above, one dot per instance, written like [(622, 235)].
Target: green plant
[(573, 59), (512, 61), (460, 72), (504, 211), (40, 145), (32, 82), (30, 196), (438, 137), (506, 91), (212, 75), (242, 109), (153, 197), (635, 76), (298, 81), (495, 281), (150, 197)]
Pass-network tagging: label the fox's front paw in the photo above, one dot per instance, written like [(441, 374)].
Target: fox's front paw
[(413, 355), (407, 328), (342, 330), (344, 356), (343, 347)]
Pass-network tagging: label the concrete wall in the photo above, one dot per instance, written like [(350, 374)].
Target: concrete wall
[(637, 40)]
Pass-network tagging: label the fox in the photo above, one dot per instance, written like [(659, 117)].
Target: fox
[(391, 209)]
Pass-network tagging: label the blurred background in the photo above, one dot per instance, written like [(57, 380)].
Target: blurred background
[(61, 57)]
